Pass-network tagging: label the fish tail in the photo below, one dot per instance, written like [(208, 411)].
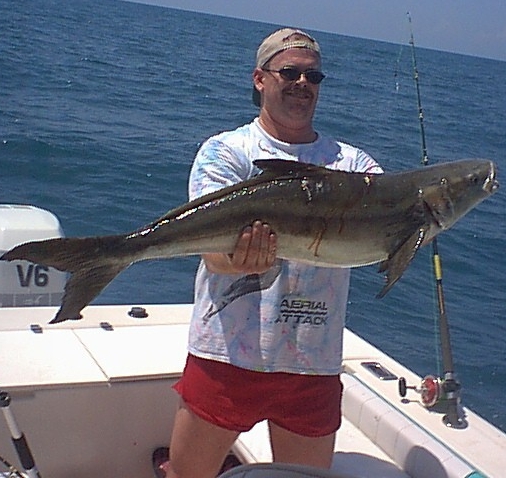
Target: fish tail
[(66, 254), (82, 287), (93, 262)]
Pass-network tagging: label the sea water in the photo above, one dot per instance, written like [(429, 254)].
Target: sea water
[(104, 104)]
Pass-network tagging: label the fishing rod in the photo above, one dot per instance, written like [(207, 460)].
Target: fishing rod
[(436, 390), (12, 471)]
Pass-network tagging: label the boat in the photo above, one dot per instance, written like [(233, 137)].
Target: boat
[(94, 397)]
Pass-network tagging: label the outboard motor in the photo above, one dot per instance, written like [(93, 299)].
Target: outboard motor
[(22, 283)]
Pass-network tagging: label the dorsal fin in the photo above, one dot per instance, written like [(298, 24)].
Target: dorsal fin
[(271, 169)]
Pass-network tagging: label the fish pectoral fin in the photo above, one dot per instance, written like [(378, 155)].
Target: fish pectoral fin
[(82, 287), (397, 263)]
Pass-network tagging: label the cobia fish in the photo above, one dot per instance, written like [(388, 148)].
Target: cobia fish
[(320, 216)]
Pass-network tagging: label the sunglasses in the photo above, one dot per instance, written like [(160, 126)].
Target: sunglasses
[(290, 73)]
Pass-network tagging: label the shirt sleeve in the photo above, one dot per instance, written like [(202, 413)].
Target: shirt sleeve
[(216, 166)]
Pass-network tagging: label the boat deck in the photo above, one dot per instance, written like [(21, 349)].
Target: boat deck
[(94, 398)]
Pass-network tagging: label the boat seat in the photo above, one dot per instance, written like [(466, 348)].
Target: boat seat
[(279, 470)]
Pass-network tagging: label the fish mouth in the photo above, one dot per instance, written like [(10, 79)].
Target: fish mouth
[(491, 184)]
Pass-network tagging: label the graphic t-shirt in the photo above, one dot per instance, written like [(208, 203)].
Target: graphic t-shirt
[(291, 318)]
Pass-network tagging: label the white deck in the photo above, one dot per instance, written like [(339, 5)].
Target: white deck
[(94, 399)]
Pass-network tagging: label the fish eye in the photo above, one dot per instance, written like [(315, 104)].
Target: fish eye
[(473, 178)]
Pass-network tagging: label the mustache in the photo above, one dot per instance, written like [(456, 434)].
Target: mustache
[(299, 89)]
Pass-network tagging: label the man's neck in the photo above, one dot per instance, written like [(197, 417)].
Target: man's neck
[(287, 133)]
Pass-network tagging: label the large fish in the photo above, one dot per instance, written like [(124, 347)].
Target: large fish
[(323, 217)]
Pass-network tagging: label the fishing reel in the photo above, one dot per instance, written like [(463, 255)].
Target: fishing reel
[(430, 390), (438, 394)]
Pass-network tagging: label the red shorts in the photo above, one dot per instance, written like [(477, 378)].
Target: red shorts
[(236, 399)]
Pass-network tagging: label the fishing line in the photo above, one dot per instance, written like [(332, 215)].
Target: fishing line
[(397, 69), (449, 386)]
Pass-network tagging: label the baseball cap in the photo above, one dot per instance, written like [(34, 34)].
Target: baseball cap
[(281, 40)]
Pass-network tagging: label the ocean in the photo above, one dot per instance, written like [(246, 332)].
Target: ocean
[(104, 104)]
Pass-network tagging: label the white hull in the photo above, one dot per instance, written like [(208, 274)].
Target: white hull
[(94, 398)]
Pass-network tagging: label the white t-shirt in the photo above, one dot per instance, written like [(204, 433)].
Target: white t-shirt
[(291, 318)]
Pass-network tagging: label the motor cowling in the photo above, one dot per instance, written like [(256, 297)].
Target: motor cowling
[(22, 283)]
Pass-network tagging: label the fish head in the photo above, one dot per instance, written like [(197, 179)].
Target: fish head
[(457, 187)]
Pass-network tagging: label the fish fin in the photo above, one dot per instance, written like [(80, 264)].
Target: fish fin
[(82, 287), (397, 263), (65, 254), (283, 166), (271, 169), (91, 261)]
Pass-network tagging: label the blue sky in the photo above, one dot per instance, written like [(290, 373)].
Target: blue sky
[(472, 27)]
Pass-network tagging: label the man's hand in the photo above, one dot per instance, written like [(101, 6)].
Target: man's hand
[(254, 253)]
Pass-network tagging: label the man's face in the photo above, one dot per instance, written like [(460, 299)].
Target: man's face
[(290, 102)]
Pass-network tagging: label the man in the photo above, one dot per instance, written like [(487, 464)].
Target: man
[(258, 349)]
